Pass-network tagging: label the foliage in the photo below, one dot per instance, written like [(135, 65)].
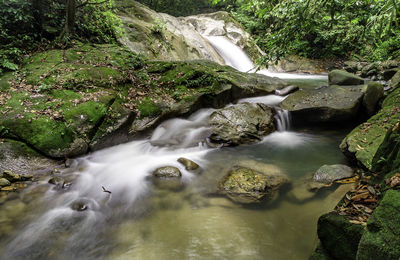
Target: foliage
[(319, 29), (158, 26), (180, 7), (26, 25)]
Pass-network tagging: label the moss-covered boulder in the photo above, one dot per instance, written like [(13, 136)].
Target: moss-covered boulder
[(363, 142), (64, 103), (344, 78), (387, 158), (395, 80), (245, 185), (4, 182), (382, 239), (241, 124), (167, 172), (325, 105), (339, 238)]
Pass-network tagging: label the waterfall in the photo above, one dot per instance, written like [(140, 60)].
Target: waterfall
[(233, 55), (283, 119)]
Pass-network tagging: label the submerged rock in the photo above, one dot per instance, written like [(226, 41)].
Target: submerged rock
[(189, 164), (4, 182), (241, 124), (58, 181), (167, 172), (245, 185), (341, 77), (329, 173)]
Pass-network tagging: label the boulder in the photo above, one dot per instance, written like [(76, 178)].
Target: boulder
[(329, 173), (382, 240), (324, 105), (241, 124), (4, 182), (389, 73), (395, 80), (167, 172), (189, 164), (245, 185), (362, 144), (338, 236), (373, 94), (344, 78)]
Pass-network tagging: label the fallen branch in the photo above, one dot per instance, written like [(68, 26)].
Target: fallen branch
[(104, 190)]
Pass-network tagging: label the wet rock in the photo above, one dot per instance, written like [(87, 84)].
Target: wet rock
[(246, 185), (58, 181), (329, 173), (167, 172), (11, 176), (171, 184), (373, 94), (80, 205), (344, 78), (286, 91), (326, 105), (241, 124), (189, 164), (338, 236), (4, 182)]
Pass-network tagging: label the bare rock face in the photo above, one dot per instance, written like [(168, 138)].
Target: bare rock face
[(241, 124)]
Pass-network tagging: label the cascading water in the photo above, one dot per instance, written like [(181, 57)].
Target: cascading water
[(132, 218)]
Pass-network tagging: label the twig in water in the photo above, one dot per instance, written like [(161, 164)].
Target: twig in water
[(104, 190)]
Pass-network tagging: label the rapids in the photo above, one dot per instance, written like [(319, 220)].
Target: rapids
[(138, 220)]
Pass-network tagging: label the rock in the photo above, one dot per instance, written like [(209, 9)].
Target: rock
[(381, 239), (389, 74), (329, 173), (338, 236), (80, 205), (325, 105), (170, 184), (286, 91), (390, 151), (343, 78), (395, 80), (26, 177), (167, 172), (189, 164), (58, 181), (11, 176), (245, 185), (373, 94), (4, 182), (362, 144), (241, 124)]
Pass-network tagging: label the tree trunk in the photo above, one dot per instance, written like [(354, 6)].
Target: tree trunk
[(70, 16)]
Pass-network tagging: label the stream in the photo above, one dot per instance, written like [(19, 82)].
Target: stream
[(142, 219)]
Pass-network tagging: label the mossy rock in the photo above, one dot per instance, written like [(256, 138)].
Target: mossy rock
[(327, 105), (339, 238), (363, 142), (245, 185), (382, 239), (387, 158)]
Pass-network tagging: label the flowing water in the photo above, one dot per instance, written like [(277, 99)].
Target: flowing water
[(139, 218)]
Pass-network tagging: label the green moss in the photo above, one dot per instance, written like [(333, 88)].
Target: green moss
[(382, 239), (149, 108), (387, 158), (338, 236), (363, 142), (5, 81)]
